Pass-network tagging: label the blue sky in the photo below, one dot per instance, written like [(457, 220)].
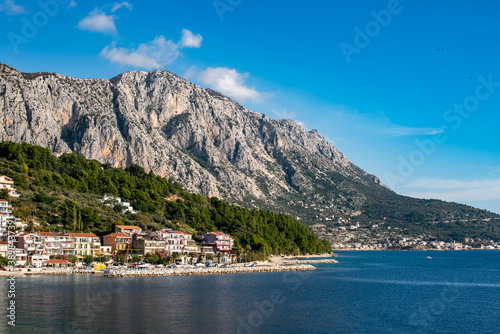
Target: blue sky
[(408, 90)]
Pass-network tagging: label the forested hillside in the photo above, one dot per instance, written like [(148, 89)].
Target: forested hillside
[(62, 194)]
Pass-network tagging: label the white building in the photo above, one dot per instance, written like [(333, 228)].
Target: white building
[(174, 241), (6, 217), (220, 242), (111, 201), (7, 183)]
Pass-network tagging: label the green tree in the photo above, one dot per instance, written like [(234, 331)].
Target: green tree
[(101, 258), (152, 258), (118, 208), (4, 262), (136, 258), (88, 259), (4, 194), (72, 258), (120, 259)]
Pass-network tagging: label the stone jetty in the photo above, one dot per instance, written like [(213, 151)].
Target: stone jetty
[(62, 272), (297, 262), (205, 271)]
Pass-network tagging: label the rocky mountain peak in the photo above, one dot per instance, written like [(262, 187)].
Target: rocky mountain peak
[(206, 141)]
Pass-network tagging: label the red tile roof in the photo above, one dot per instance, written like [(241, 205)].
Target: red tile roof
[(83, 235), (129, 227), (57, 261), (47, 234), (118, 235), (182, 233)]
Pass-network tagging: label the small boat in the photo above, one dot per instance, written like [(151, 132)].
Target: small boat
[(429, 258), (99, 266)]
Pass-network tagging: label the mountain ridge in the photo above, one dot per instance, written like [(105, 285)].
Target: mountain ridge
[(207, 142)]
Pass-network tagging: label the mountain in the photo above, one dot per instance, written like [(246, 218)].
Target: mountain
[(208, 143)]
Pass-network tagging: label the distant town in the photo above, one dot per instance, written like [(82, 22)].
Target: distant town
[(355, 236)]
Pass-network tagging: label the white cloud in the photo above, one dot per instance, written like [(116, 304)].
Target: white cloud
[(11, 8), (284, 113), (120, 5), (190, 40), (378, 123), (98, 21), (229, 82), (72, 4), (191, 73), (155, 54), (394, 130), (456, 190)]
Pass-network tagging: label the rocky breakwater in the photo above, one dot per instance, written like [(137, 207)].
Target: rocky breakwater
[(61, 271), (205, 271), (298, 262)]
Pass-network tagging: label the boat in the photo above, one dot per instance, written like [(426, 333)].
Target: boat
[(429, 258), (99, 266)]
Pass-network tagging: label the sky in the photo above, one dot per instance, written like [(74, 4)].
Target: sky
[(408, 90)]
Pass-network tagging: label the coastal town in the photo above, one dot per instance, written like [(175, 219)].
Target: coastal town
[(24, 247), (49, 249), (347, 235)]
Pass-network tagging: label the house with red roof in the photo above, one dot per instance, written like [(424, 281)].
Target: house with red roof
[(118, 241), (57, 263), (128, 229)]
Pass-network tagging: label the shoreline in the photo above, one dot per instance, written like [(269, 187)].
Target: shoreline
[(206, 271), (167, 272), (411, 250)]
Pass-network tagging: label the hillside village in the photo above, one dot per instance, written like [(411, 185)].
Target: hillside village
[(126, 243)]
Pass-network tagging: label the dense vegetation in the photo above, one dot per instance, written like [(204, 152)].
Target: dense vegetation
[(378, 205), (62, 194)]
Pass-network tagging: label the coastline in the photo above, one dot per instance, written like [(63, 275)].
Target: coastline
[(206, 271), (411, 250), (167, 271)]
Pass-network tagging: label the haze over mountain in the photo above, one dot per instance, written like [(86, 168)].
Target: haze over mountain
[(207, 142)]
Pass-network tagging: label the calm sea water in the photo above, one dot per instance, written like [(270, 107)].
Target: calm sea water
[(455, 292)]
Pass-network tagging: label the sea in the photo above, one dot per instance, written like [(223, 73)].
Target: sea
[(366, 292)]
